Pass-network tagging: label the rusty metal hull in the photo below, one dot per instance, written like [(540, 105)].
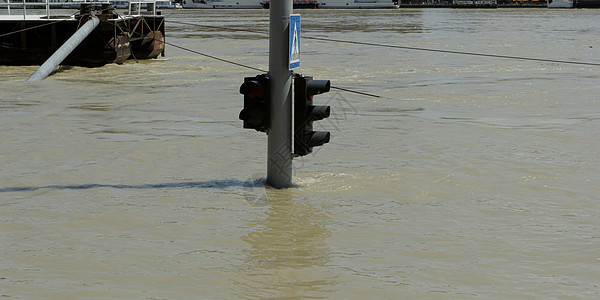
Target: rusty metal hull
[(147, 37)]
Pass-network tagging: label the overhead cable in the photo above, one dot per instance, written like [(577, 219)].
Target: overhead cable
[(30, 28), (260, 70), (405, 47)]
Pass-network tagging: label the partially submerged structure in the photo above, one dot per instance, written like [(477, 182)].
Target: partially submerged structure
[(30, 34)]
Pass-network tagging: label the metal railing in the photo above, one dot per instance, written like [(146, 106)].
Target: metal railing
[(22, 5), (136, 6)]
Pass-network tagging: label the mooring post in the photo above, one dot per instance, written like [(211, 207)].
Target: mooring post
[(279, 155)]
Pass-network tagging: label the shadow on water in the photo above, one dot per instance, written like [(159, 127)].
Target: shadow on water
[(214, 184)]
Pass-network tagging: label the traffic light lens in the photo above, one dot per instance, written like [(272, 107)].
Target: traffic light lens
[(255, 116), (315, 87), (318, 138), (319, 113), (253, 90)]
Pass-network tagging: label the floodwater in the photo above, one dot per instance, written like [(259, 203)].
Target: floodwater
[(469, 177)]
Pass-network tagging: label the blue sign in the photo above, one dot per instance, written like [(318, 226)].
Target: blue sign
[(294, 49)]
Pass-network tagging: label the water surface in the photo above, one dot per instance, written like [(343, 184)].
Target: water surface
[(470, 177)]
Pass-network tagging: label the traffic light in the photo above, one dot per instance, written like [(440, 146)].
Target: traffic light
[(305, 113), (256, 113)]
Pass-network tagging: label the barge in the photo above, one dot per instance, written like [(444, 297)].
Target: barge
[(296, 4), (29, 34), (245, 4), (586, 3), (474, 3)]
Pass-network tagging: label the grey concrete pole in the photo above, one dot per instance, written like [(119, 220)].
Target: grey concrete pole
[(46, 68), (279, 155)]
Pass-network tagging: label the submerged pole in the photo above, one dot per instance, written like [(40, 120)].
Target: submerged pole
[(279, 155), (46, 68)]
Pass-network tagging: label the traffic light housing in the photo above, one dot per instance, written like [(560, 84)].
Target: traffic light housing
[(257, 98), (305, 113)]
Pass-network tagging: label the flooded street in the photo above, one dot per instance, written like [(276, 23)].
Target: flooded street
[(469, 177)]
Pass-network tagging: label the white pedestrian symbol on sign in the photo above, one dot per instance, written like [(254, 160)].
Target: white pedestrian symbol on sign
[(295, 50)]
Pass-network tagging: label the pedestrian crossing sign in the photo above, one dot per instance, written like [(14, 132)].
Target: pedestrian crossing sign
[(294, 49)]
